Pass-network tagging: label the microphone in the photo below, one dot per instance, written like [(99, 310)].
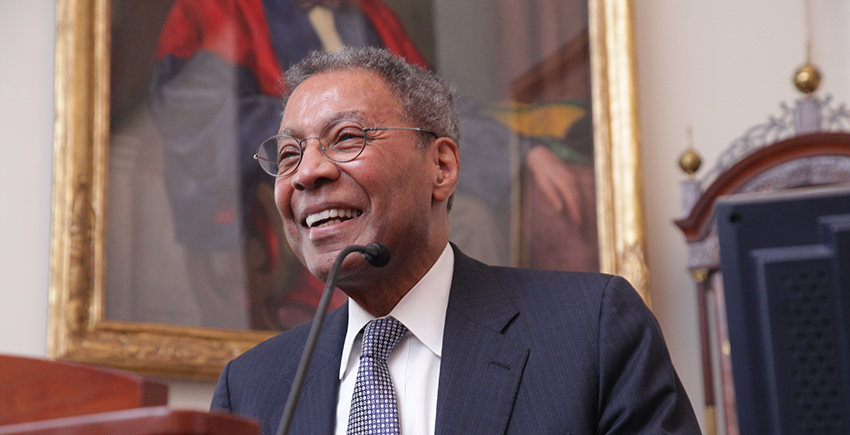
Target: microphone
[(376, 254)]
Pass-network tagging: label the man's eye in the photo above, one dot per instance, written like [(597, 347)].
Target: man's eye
[(348, 139), (349, 133), (287, 154)]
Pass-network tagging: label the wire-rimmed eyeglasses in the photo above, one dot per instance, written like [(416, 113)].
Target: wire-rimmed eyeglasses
[(341, 141)]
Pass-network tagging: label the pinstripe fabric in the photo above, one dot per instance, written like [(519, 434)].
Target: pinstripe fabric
[(524, 352), (257, 383)]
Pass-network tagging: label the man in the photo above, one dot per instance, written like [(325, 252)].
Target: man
[(368, 152)]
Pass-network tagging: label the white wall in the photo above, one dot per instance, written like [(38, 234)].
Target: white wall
[(720, 66), (27, 38)]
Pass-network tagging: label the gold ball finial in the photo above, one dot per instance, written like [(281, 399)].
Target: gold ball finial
[(690, 161), (807, 79)]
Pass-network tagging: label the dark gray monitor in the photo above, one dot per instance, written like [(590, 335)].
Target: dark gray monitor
[(785, 258)]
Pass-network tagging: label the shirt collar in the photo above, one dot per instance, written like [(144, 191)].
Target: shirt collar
[(422, 310)]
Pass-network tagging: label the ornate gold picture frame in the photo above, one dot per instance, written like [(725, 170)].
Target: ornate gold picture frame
[(78, 329)]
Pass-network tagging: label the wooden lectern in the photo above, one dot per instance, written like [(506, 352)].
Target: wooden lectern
[(40, 397)]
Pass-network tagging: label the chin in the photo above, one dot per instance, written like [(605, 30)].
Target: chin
[(354, 269), (320, 269)]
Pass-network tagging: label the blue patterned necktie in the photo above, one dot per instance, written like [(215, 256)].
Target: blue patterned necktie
[(374, 409)]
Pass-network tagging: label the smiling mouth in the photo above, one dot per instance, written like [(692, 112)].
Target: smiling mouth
[(331, 217)]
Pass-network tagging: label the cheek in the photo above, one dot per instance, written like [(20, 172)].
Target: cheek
[(410, 194), (282, 199), (282, 194)]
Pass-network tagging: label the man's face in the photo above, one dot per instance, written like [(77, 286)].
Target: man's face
[(384, 195)]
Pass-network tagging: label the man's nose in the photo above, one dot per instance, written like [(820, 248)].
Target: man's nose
[(315, 167)]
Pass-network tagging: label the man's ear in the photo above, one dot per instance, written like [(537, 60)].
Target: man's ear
[(446, 160)]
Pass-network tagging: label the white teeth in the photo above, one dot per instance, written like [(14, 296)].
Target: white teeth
[(330, 222), (332, 214)]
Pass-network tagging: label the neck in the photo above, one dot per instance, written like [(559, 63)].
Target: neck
[(387, 287)]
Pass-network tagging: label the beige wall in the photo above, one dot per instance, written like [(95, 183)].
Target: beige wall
[(719, 66), (722, 67)]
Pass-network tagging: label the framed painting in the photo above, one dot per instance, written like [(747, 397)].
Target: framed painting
[(167, 254)]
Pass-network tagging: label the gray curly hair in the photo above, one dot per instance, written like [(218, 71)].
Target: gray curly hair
[(426, 100)]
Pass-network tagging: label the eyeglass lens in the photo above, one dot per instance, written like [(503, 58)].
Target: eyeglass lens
[(341, 141)]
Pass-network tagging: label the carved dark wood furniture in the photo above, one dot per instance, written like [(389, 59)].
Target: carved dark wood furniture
[(798, 161)]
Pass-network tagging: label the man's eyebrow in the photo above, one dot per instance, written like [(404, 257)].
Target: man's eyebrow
[(354, 115)]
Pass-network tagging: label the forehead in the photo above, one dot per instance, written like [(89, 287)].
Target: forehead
[(360, 95)]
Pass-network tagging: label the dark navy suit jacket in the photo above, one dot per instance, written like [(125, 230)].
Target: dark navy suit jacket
[(524, 352)]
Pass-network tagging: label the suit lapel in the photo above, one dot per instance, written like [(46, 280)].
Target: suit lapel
[(316, 410), (480, 368)]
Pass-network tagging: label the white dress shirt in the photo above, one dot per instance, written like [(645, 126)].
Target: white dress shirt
[(415, 362)]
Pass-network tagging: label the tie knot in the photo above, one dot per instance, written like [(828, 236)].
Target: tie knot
[(381, 336)]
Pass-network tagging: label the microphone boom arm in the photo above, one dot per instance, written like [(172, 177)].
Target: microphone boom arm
[(375, 254)]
